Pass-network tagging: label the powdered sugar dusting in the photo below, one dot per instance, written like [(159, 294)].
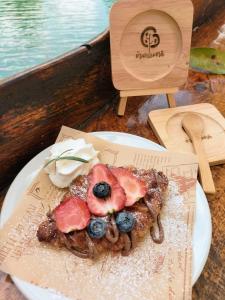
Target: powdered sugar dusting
[(81, 189), (113, 276), (133, 275)]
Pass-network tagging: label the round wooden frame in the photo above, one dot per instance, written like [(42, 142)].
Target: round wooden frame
[(150, 43)]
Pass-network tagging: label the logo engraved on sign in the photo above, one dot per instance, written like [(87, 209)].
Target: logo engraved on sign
[(150, 38)]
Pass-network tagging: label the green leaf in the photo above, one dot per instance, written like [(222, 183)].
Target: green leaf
[(66, 158), (208, 60), (65, 152)]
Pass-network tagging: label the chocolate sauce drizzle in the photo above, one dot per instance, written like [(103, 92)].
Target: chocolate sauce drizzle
[(78, 252), (112, 232), (157, 220), (160, 238), (129, 239), (112, 235), (91, 247), (127, 244), (133, 238)]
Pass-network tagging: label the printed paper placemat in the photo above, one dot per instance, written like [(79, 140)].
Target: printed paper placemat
[(151, 271)]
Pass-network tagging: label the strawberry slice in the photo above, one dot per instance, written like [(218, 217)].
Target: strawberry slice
[(71, 214), (134, 188), (116, 199)]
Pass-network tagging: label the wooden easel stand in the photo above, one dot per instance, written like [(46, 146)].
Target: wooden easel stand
[(132, 93)]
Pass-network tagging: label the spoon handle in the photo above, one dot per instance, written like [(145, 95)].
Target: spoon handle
[(204, 168)]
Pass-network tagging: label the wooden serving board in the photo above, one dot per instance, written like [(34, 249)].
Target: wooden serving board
[(166, 124), (150, 43)]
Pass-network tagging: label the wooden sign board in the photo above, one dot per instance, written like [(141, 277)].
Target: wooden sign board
[(150, 43)]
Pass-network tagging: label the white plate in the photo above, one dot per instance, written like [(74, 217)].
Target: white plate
[(202, 226)]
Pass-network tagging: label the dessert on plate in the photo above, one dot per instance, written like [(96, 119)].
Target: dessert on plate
[(106, 208)]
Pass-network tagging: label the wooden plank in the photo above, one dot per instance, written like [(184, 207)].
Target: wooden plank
[(35, 104), (146, 92), (204, 9), (122, 106), (8, 290), (171, 100), (131, 93)]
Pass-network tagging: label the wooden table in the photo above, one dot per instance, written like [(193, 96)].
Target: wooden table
[(199, 88)]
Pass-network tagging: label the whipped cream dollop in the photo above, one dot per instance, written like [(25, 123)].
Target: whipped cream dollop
[(62, 172)]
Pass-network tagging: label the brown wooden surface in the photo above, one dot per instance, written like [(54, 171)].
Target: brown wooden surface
[(199, 88), (205, 9), (33, 105)]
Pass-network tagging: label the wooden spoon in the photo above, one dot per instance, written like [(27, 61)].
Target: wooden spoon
[(194, 126)]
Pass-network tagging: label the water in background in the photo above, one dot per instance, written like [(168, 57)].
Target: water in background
[(34, 31)]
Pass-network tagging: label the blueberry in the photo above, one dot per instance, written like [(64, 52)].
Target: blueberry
[(125, 221), (97, 228), (102, 190)]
